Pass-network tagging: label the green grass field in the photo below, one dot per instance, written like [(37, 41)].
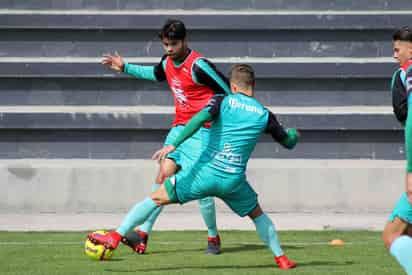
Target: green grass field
[(168, 253)]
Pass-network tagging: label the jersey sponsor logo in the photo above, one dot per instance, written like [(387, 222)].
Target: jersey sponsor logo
[(228, 157), (176, 87), (248, 108)]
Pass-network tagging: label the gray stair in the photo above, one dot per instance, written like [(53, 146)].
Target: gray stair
[(204, 4), (265, 68), (281, 82), (120, 132), (206, 20), (313, 34), (213, 43), (131, 92)]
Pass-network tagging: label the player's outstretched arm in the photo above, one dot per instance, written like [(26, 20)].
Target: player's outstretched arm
[(287, 138), (153, 73)]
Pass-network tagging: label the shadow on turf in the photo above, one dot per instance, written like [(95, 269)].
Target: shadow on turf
[(230, 249), (321, 263), (237, 267), (252, 247), (177, 268)]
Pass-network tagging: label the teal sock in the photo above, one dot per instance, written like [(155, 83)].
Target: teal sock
[(148, 224), (137, 215), (401, 249), (267, 233), (208, 211)]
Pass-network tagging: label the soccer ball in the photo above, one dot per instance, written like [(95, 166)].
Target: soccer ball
[(97, 251)]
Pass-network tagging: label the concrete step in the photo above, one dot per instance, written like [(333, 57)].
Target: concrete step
[(202, 4), (213, 43), (129, 144), (201, 20), (157, 117), (266, 68), (110, 132), (134, 92), (64, 186)]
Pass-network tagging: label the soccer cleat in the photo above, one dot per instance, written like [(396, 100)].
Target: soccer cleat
[(284, 263), (110, 240), (213, 245), (136, 240)]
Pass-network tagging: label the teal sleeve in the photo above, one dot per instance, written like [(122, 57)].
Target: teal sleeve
[(138, 71), (192, 126), (291, 139)]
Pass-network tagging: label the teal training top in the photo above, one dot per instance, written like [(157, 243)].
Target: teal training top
[(238, 122)]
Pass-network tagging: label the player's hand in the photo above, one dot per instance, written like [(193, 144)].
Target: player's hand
[(162, 153), (114, 62)]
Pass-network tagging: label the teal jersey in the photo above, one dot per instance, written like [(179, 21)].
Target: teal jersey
[(239, 121)]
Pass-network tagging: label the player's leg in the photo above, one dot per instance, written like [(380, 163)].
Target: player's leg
[(208, 211), (267, 233), (393, 230), (138, 239), (167, 168), (396, 234), (242, 199), (190, 152), (137, 215)]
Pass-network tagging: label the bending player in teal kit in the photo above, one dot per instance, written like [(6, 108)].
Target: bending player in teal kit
[(398, 230), (238, 121)]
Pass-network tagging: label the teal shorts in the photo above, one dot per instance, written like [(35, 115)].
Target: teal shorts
[(402, 210), (201, 180), (189, 151)]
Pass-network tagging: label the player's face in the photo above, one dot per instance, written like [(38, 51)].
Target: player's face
[(402, 51), (176, 49)]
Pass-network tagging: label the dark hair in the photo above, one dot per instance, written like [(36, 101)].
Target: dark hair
[(242, 75), (173, 29), (403, 34)]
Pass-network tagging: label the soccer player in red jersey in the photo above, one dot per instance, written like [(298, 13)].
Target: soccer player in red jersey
[(193, 81)]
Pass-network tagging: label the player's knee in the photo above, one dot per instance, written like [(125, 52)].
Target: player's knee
[(388, 237), (160, 178), (160, 196), (256, 212), (165, 171), (386, 240)]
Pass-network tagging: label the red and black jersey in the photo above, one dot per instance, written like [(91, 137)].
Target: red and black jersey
[(189, 96)]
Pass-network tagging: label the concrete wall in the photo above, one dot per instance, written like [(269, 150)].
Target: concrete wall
[(89, 186)]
